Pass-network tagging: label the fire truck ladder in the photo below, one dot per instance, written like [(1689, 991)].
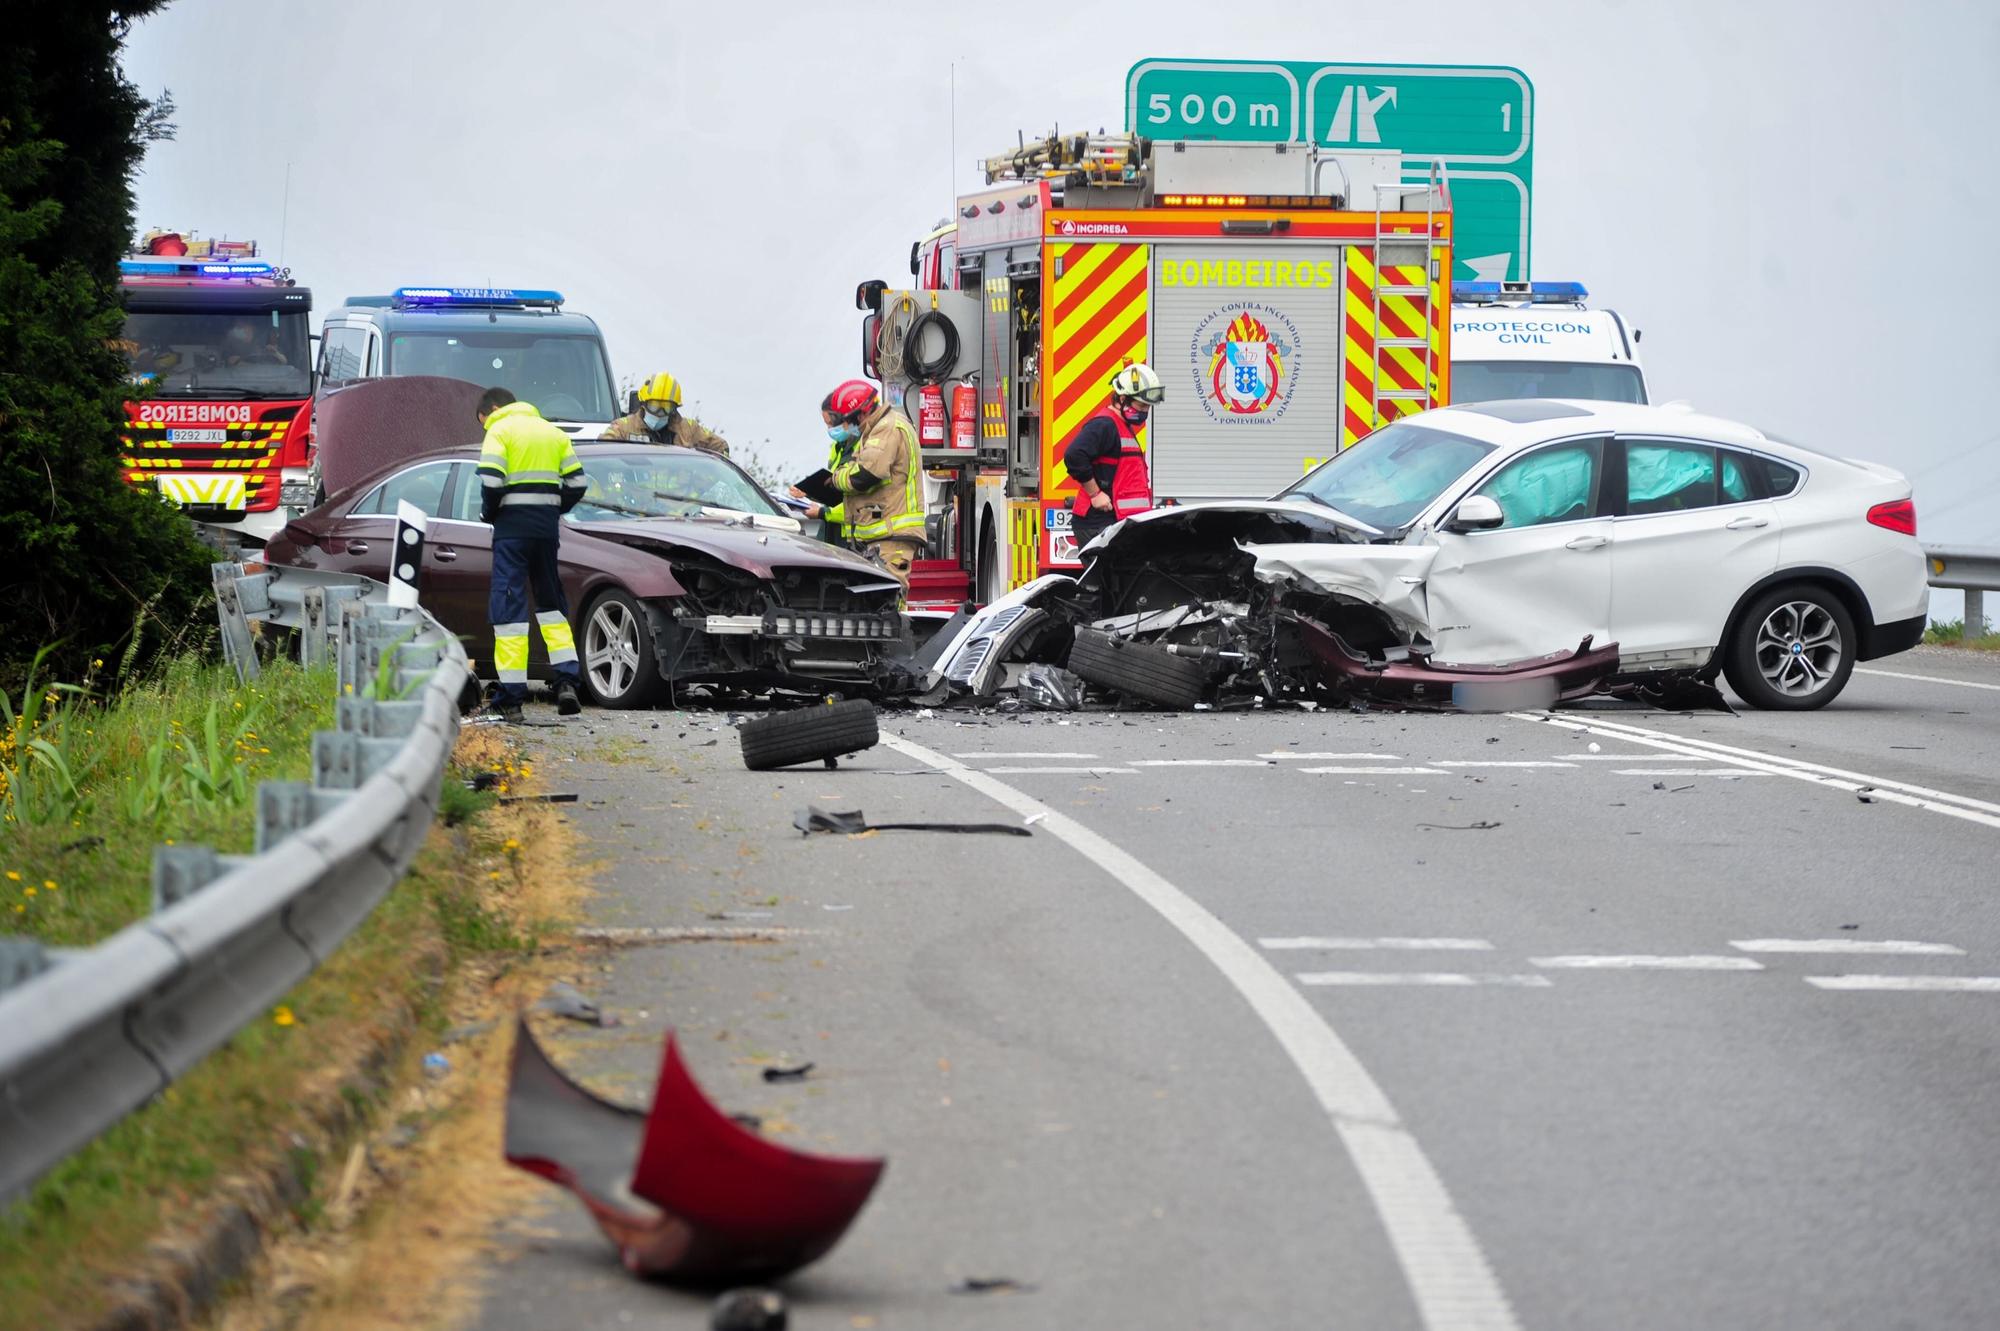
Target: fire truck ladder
[(1418, 295)]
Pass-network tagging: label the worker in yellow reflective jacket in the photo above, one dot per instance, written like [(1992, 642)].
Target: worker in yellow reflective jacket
[(529, 476), (883, 480)]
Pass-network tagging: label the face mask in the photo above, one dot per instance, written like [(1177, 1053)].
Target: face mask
[(841, 434), (654, 420), (1135, 415)]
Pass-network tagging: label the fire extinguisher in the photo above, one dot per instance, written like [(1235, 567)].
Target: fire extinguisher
[(930, 416), (964, 414)]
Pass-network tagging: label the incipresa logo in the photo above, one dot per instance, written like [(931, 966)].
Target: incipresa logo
[(1069, 228)]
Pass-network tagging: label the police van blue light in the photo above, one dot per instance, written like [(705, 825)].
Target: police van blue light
[(477, 297)]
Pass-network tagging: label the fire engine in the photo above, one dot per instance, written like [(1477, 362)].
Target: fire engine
[(217, 339), (1291, 298)]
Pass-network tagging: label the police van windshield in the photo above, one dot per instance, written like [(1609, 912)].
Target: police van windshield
[(1388, 478), (564, 376), (234, 356), (662, 483), (1506, 380)]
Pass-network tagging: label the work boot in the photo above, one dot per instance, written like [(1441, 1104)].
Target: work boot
[(567, 703), (504, 711)]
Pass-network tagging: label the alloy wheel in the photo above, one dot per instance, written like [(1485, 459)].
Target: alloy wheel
[(1798, 648), (611, 650)]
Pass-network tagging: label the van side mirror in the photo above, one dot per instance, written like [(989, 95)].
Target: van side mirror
[(1476, 513)]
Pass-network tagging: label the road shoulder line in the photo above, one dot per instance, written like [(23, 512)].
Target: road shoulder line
[(1447, 1272)]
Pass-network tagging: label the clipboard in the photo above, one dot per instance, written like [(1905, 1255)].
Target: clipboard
[(819, 488)]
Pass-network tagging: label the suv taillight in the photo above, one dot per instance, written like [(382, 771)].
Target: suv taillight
[(1897, 515)]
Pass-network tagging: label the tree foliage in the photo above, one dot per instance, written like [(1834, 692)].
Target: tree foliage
[(86, 561)]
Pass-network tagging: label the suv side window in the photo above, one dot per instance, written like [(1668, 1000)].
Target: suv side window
[(1667, 476), (1558, 483), (422, 486), (342, 352), (1747, 476), (465, 501)]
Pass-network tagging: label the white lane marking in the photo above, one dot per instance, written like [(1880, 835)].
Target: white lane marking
[(1883, 947), (1606, 962), (1634, 757), (1027, 753), (1731, 772), (1937, 984), (1373, 771), (1453, 979), (1288, 755), (1385, 944), (1448, 1274), (1078, 771), (1456, 762), (1927, 679), (1892, 792), (1199, 762)]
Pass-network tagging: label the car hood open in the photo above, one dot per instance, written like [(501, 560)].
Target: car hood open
[(751, 549), (369, 425)]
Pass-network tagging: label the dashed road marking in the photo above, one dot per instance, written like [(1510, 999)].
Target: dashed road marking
[(1372, 771), (1864, 946), (1448, 979), (1027, 753), (1447, 1272), (1383, 944), (1918, 984), (1879, 788), (1200, 762), (1927, 679), (1288, 756), (1466, 762), (1632, 757), (1731, 772), (1074, 771), (1614, 962)]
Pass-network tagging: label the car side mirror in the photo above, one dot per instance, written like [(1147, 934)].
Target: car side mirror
[(1476, 513), (631, 401)]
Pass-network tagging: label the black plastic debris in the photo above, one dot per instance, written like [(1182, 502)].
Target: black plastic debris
[(554, 797), (788, 1074), (991, 1285), (1483, 825), (1050, 688), (749, 1310), (850, 822)]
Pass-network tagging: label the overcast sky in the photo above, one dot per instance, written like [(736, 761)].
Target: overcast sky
[(1796, 202)]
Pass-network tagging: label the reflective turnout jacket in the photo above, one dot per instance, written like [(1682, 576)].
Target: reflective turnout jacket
[(685, 431), (529, 474), (884, 480)]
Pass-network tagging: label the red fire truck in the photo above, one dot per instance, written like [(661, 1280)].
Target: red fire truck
[(1291, 297), (217, 339)]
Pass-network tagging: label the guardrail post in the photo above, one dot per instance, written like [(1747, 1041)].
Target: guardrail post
[(21, 960), (1975, 613), (181, 871), (312, 627), (238, 648), (285, 807)]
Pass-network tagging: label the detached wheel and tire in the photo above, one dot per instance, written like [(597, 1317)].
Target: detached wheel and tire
[(1137, 669), (809, 735), (1792, 651), (616, 653)]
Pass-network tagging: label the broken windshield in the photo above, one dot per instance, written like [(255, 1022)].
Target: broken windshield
[(1388, 478)]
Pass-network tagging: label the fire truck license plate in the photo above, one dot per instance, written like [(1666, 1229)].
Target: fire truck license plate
[(197, 436), (221, 491)]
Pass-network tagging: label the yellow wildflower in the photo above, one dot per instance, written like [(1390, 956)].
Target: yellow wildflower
[(282, 1016), (14, 874)]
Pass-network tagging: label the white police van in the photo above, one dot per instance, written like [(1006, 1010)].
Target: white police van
[(1538, 339)]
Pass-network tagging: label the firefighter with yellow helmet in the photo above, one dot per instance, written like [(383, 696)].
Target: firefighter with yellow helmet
[(659, 420)]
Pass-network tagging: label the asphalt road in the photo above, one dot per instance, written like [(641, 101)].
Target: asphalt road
[(1610, 1018)]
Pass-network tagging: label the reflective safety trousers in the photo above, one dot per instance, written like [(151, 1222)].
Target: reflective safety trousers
[(518, 566), (1132, 483)]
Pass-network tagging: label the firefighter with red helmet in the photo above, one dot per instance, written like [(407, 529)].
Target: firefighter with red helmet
[(1113, 480), (883, 479)]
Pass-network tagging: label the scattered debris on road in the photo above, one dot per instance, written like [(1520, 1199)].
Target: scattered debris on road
[(991, 1285), (852, 822), (566, 1000), (822, 733), (749, 1310), (724, 1203), (1481, 826), (788, 1074)]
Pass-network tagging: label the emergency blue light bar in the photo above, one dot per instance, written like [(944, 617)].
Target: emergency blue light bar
[(182, 266), (1537, 293), (477, 297)]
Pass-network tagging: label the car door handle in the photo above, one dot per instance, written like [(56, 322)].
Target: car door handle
[(1587, 543), (1745, 524), (357, 547), (445, 554)]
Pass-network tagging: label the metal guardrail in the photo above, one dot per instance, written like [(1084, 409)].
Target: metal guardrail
[(1973, 570), (86, 1036)]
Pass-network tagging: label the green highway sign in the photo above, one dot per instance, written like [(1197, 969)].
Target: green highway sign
[(1477, 119)]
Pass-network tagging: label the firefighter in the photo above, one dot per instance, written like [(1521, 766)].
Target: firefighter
[(883, 478), (529, 477), (1113, 480), (834, 515), (659, 420)]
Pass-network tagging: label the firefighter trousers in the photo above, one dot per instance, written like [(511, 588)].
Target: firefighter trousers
[(893, 556), (518, 565)]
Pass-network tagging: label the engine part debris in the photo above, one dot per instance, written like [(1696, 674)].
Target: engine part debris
[(853, 822), (720, 1202), (1049, 688)]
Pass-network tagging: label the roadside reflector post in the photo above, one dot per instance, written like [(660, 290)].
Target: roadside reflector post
[(407, 562)]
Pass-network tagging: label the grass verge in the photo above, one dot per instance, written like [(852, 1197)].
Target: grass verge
[(1951, 633), (87, 1235)]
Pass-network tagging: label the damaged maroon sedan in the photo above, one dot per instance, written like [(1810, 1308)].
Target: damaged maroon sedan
[(678, 568)]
